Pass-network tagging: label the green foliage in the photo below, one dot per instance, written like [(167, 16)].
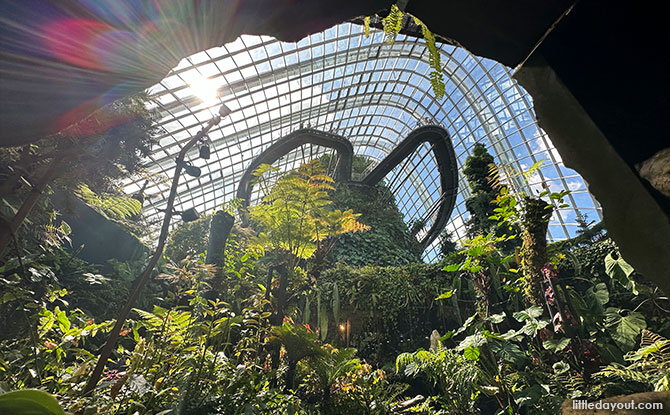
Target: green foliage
[(203, 343), (620, 271), (29, 402), (110, 205), (454, 377), (189, 238), (97, 154), (297, 340), (447, 244), (366, 26), (388, 242), (483, 212), (294, 215), (388, 306), (624, 326), (364, 391), (392, 24), (649, 366), (330, 365), (436, 78), (60, 359)]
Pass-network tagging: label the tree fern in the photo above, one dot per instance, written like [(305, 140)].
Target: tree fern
[(294, 212)]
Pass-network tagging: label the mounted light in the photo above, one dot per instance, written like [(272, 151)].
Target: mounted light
[(224, 111), (204, 151), (191, 170), (204, 148), (189, 215)]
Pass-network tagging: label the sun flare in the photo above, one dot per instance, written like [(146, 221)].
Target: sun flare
[(205, 89)]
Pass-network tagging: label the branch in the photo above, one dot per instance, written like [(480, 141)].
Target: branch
[(144, 278)]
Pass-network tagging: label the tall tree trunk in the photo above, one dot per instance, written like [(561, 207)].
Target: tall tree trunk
[(534, 249), (7, 229)]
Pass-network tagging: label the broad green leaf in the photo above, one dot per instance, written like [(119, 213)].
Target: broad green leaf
[(556, 345), (63, 322), (560, 367), (29, 402), (532, 326), (528, 396), (497, 318), (601, 293), (531, 312), (624, 329), (615, 266), (471, 353), (509, 352), (474, 340), (620, 270), (452, 267), (447, 335)]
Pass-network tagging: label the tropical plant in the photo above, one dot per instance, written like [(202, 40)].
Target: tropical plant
[(29, 402), (648, 368), (299, 343), (293, 214), (94, 155), (454, 377), (54, 355), (388, 242), (329, 366)]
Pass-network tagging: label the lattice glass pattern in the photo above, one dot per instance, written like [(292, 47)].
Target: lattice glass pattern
[(372, 93)]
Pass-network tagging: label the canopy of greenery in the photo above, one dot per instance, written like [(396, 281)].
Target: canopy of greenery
[(354, 337), (85, 162)]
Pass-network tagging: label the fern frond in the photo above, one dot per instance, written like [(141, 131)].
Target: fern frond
[(392, 24), (366, 26), (115, 206), (626, 374), (436, 78), (648, 338)]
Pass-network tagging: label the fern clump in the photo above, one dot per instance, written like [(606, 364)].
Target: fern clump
[(454, 377)]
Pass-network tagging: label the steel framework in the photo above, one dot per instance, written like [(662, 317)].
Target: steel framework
[(362, 88)]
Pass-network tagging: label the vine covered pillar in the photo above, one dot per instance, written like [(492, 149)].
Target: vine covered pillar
[(534, 247)]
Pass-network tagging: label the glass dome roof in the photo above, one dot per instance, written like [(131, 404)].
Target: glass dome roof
[(362, 88)]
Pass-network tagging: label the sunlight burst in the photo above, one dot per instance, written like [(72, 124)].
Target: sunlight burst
[(205, 89)]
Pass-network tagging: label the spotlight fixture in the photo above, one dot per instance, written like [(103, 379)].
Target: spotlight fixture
[(224, 111), (189, 215), (190, 169), (204, 148)]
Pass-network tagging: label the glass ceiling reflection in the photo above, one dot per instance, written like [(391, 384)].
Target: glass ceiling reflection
[(364, 89)]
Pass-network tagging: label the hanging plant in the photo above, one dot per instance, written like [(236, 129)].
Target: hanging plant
[(392, 24)]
